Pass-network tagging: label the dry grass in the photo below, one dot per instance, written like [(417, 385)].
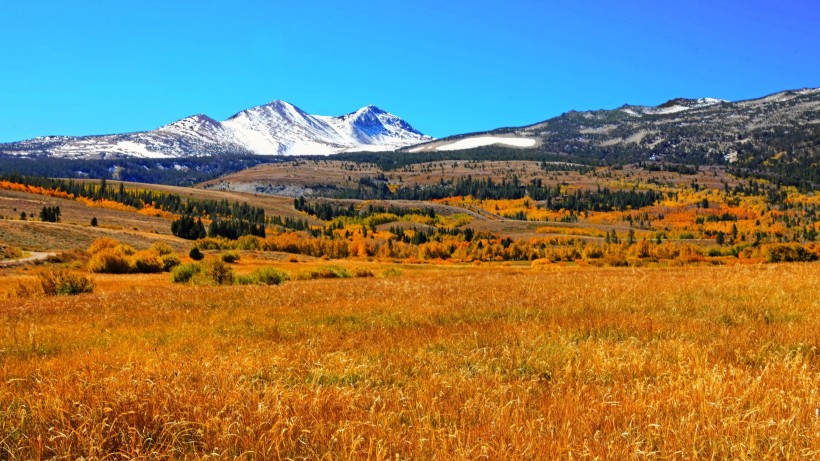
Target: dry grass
[(78, 213), (75, 231), (332, 173), (438, 363)]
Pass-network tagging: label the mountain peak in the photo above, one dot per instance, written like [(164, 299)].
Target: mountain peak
[(672, 106), (690, 103), (279, 127), (372, 108), (275, 128), (193, 123), (279, 103)]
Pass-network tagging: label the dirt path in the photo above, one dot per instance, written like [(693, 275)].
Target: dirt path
[(33, 256)]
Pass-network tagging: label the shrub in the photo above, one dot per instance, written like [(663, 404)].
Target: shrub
[(788, 252), (127, 250), (56, 283), (362, 272), (391, 272), (713, 252), (230, 257), (109, 260), (216, 243), (170, 261), (214, 272), (162, 248), (102, 244), (77, 258), (65, 283), (148, 261), (263, 276), (249, 242), (615, 260), (327, 272), (185, 272), (196, 254), (10, 252)]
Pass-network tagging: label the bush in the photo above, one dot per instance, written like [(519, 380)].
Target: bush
[(231, 257), (327, 272), (713, 252), (148, 261), (111, 261), (214, 272), (185, 272), (362, 272), (391, 272), (263, 276), (249, 242), (56, 283), (127, 250), (102, 244), (64, 283), (170, 261), (788, 252), (196, 254), (162, 248), (615, 260), (78, 258), (216, 243), (10, 252)]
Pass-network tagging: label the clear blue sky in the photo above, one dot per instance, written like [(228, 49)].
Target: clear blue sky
[(447, 67)]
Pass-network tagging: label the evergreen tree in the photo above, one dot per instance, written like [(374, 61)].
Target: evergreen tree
[(196, 254), (50, 214)]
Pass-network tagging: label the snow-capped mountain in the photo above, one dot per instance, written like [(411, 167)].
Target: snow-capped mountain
[(277, 128)]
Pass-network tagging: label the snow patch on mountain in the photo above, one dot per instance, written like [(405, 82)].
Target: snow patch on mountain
[(478, 141)]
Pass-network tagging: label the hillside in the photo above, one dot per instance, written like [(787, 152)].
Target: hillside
[(777, 135)]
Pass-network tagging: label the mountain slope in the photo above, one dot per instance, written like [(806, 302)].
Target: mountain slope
[(783, 128), (277, 128)]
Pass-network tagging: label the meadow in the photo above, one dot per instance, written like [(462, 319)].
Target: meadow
[(455, 328), (423, 362)]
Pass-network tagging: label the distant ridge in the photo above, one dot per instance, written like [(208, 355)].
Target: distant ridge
[(276, 128), (780, 131)]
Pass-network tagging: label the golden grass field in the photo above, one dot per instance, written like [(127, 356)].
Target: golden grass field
[(683, 357), (438, 362)]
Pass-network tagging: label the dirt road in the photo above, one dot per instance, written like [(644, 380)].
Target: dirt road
[(33, 256)]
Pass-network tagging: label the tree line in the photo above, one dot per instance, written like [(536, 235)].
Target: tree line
[(487, 189), (328, 211), (142, 198)]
